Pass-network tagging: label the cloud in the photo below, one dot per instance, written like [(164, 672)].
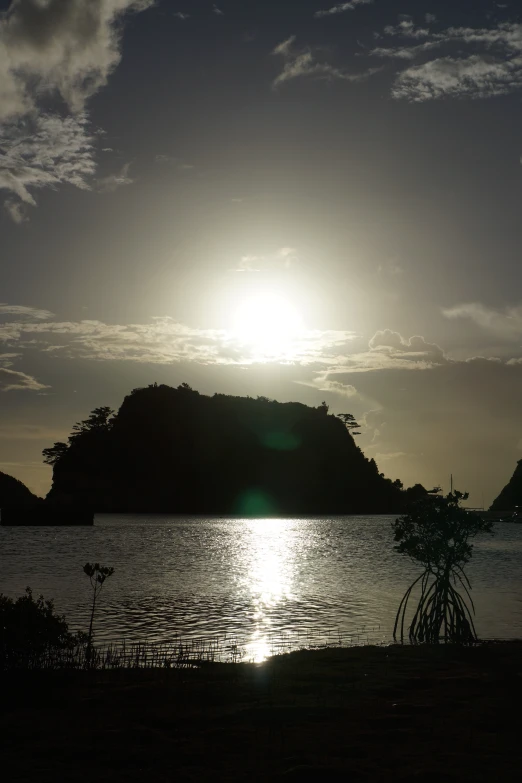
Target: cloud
[(181, 15), (492, 67), (114, 181), (404, 52), (322, 383), (415, 349), (341, 8), (165, 341), (25, 312), (388, 350), (15, 210), (372, 424), (49, 50), (45, 151), (331, 354), (390, 268), (286, 47), (170, 160), (300, 63), (285, 257), (506, 324), (10, 380), (474, 77), (218, 11), (249, 264), (58, 48), (430, 18), (6, 359), (407, 29)]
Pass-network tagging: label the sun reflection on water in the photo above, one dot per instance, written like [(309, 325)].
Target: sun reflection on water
[(271, 563)]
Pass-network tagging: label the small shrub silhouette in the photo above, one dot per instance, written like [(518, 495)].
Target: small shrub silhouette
[(30, 629), (436, 533)]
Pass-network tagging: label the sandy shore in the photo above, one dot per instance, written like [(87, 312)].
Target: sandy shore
[(365, 714)]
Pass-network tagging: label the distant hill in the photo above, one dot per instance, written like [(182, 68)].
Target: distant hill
[(13, 492), (511, 495), (178, 451)]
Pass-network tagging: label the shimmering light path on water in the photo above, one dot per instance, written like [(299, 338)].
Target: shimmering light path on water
[(268, 583)]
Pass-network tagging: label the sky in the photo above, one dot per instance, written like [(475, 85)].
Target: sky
[(307, 201)]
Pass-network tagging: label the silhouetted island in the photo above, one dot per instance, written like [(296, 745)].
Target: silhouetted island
[(511, 495), (177, 451), (19, 507), (14, 492)]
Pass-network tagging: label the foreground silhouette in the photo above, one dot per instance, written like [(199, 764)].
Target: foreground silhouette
[(436, 533), (408, 714), (177, 451)]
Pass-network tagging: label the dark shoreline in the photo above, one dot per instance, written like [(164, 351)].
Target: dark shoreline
[(367, 713)]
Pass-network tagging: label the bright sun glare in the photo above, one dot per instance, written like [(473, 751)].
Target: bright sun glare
[(268, 324)]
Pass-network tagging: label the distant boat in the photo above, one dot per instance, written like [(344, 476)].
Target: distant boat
[(45, 514)]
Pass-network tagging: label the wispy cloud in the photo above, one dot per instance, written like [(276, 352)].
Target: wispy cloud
[(47, 50), (390, 269), (165, 341), (300, 63), (10, 380), (341, 8), (415, 349), (404, 52), (407, 29), (473, 77), (7, 359), (324, 384), (15, 210), (175, 162), (380, 457), (114, 181), (389, 350), (496, 70), (285, 257), (22, 311), (506, 323), (45, 151)]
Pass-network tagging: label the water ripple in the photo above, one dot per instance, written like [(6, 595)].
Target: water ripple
[(263, 582)]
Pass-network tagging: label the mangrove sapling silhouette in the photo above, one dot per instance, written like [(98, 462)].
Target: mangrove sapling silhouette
[(436, 533), (97, 575)]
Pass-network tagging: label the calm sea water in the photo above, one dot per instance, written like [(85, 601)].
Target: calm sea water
[(269, 583)]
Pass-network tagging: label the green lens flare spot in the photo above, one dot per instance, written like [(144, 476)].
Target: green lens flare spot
[(281, 441), (255, 503)]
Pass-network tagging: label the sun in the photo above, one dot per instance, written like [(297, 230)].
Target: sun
[(268, 324)]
